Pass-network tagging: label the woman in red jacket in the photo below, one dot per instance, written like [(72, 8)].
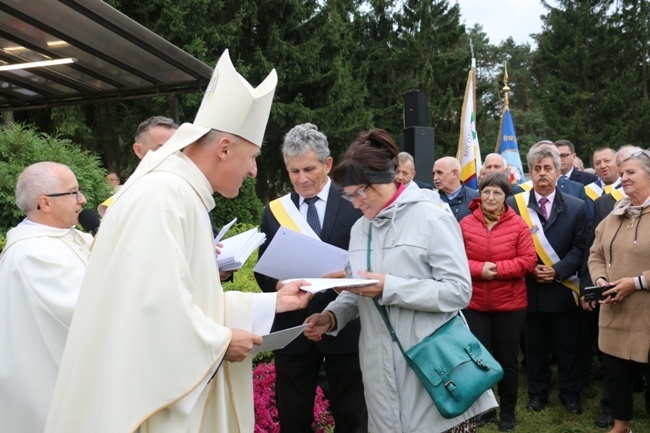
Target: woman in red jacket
[(501, 252)]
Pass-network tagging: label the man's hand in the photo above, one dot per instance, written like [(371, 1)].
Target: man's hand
[(291, 298), (241, 344), (545, 274)]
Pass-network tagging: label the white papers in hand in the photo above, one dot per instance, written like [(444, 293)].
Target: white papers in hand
[(277, 340), (237, 249), (224, 230), (320, 284), (291, 254)]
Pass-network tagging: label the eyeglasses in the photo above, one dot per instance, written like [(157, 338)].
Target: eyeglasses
[(565, 155), (640, 153), (360, 193), (78, 194)]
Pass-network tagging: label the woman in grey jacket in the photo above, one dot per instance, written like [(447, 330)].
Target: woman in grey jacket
[(415, 250)]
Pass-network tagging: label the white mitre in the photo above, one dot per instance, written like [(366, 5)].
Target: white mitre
[(230, 104)]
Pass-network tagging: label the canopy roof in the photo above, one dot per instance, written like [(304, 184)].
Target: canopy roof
[(117, 58)]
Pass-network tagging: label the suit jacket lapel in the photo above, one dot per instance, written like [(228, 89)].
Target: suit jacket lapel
[(331, 211)]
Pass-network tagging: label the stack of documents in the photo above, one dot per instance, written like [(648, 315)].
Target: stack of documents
[(237, 249)]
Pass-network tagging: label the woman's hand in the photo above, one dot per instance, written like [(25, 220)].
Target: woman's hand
[(368, 291), (489, 271), (619, 290), (317, 325)]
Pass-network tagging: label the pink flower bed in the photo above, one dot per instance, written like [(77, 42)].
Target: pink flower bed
[(266, 412)]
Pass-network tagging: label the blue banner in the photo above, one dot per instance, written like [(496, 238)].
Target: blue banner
[(509, 149)]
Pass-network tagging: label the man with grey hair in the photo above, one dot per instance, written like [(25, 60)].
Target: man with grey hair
[(559, 224), (405, 172), (152, 133), (494, 162), (315, 206), (41, 269)]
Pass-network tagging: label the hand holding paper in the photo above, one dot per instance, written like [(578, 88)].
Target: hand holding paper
[(290, 297), (319, 284)]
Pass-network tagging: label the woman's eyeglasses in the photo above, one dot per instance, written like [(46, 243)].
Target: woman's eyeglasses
[(359, 193)]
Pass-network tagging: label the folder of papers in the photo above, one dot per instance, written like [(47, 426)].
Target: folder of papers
[(291, 254), (237, 249)]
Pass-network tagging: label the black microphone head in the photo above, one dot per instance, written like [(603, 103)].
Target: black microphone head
[(89, 220)]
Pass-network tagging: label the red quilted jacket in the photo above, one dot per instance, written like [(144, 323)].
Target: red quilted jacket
[(509, 244)]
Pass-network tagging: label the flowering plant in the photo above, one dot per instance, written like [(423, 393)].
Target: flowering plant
[(266, 411)]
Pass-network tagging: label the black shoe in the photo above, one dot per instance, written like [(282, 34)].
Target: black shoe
[(605, 420), (588, 391), (507, 422), (484, 418), (573, 407), (536, 404)]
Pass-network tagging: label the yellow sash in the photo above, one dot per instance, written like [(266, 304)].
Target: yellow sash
[(543, 247), (289, 216), (593, 191), (527, 186), (618, 193)]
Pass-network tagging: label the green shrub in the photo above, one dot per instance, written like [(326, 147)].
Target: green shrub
[(22, 145), (246, 206)]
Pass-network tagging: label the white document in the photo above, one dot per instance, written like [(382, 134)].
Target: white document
[(291, 254), (279, 339), (224, 230), (320, 284), (237, 249)]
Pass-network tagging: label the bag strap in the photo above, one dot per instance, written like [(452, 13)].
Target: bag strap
[(381, 308)]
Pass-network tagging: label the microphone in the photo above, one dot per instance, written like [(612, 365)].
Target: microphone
[(89, 220)]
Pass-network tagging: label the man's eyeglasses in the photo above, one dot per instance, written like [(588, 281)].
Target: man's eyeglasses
[(565, 155), (78, 194), (360, 193)]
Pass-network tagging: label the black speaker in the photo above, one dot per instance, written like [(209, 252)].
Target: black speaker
[(416, 109), (419, 141)]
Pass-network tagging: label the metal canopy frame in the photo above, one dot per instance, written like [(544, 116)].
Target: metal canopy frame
[(117, 58)]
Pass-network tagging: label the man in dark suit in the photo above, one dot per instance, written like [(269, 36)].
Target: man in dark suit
[(330, 218), (405, 172), (564, 184), (559, 222), (446, 178), (567, 166)]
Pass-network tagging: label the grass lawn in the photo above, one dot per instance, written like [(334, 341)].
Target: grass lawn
[(555, 419)]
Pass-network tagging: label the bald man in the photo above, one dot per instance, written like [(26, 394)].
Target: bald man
[(446, 179)]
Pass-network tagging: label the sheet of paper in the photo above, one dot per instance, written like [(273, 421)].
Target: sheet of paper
[(291, 254), (320, 284), (279, 339), (224, 230)]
